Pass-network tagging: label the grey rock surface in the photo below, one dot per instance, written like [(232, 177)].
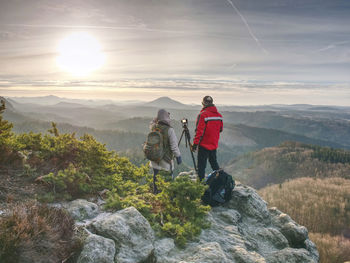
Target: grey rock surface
[(246, 231), (81, 209), (131, 232), (242, 231), (97, 249)]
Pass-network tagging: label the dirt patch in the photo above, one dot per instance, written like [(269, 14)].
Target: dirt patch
[(16, 188)]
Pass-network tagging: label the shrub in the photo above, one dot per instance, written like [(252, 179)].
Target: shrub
[(180, 213), (36, 233), (176, 212), (335, 249)]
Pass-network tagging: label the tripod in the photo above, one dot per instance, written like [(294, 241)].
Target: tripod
[(186, 132)]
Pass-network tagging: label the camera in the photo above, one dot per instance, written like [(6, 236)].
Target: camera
[(184, 122)]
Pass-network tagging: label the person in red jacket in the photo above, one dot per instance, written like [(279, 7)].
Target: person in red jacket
[(209, 125)]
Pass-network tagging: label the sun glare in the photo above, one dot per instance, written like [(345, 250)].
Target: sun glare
[(80, 54)]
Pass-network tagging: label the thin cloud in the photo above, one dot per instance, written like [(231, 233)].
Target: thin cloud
[(138, 28), (333, 45)]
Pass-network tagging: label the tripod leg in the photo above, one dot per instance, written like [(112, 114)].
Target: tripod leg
[(182, 134), (188, 139)]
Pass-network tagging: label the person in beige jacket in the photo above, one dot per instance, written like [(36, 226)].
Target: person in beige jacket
[(162, 122)]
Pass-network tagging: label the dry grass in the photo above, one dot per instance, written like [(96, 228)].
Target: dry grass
[(332, 249), (36, 233)]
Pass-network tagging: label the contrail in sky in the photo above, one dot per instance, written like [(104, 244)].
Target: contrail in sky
[(247, 26)]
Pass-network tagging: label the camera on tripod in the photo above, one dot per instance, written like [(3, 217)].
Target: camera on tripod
[(184, 123)]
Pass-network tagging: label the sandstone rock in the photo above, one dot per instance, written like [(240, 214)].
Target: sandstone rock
[(242, 231), (97, 249), (131, 232), (311, 247), (207, 253), (290, 255), (273, 237), (296, 234), (81, 209), (249, 204), (241, 255), (245, 231), (162, 248)]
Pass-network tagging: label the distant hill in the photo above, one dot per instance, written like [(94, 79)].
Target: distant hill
[(64, 104), (43, 100), (167, 103), (288, 161), (326, 126)]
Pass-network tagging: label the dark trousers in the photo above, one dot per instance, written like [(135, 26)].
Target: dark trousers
[(203, 155)]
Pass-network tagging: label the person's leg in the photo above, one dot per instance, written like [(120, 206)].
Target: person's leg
[(202, 161), (155, 172), (213, 161)]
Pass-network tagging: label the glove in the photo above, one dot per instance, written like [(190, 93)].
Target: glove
[(194, 147), (179, 160)]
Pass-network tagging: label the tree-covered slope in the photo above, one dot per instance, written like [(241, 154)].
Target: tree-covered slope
[(323, 206), (275, 165)]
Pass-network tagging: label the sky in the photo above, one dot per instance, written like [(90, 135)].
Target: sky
[(241, 52)]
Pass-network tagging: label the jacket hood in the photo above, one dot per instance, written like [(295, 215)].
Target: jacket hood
[(163, 116), (210, 108)]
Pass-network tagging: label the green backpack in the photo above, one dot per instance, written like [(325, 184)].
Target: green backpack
[(154, 146)]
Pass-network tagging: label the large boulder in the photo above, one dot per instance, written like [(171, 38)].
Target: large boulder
[(81, 209), (296, 234), (249, 204), (97, 249), (131, 233)]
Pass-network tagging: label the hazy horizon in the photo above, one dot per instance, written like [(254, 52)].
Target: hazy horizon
[(242, 52), (131, 101)]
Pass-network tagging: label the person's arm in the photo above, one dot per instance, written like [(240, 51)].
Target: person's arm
[(173, 142), (200, 129), (222, 126)]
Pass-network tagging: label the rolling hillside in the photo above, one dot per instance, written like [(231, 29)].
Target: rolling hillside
[(288, 161)]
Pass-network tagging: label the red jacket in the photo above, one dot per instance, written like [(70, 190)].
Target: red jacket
[(208, 127)]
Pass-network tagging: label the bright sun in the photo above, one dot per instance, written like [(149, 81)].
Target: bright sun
[(80, 54)]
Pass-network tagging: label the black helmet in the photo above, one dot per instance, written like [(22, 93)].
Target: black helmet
[(207, 100)]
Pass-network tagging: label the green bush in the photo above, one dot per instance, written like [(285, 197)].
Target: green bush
[(182, 215), (76, 168)]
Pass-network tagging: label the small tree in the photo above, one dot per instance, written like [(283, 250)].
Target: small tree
[(5, 127), (6, 136)]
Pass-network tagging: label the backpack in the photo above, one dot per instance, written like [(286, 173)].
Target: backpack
[(154, 148), (220, 188)]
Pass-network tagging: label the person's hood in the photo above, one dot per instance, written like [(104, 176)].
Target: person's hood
[(163, 116), (210, 108)]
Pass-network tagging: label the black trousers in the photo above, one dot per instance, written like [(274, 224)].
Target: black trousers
[(203, 155)]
